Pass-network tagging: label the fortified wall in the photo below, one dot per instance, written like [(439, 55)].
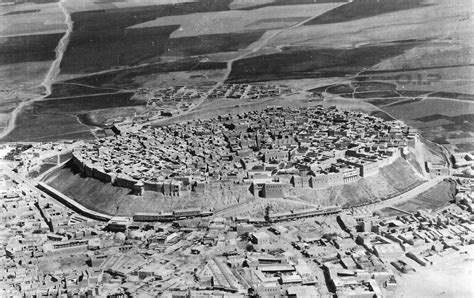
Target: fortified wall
[(361, 168), (166, 187), (304, 147)]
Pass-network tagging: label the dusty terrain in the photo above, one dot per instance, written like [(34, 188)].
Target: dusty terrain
[(450, 276)]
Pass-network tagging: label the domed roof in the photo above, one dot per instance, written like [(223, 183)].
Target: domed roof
[(119, 236), (134, 234)]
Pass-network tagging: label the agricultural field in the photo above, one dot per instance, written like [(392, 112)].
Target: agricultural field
[(147, 75), (84, 103), (445, 121), (359, 10), (31, 19), (440, 38), (445, 80), (441, 19), (232, 21), (120, 34), (28, 36), (313, 62), (54, 119), (180, 78), (373, 54), (48, 127)]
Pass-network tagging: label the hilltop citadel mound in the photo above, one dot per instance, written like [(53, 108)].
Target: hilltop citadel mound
[(297, 156), (104, 197)]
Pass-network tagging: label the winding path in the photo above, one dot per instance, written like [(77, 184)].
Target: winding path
[(50, 75), (258, 45)]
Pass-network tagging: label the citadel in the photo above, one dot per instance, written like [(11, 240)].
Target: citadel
[(267, 150)]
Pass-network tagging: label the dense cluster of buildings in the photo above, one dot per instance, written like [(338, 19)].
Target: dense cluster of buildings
[(463, 160), (35, 232), (464, 191), (268, 150), (47, 249), (176, 99), (249, 91), (40, 158), (400, 243), (180, 97), (167, 102), (50, 250)]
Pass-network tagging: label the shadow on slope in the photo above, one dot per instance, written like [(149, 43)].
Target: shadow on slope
[(390, 181), (106, 198)]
